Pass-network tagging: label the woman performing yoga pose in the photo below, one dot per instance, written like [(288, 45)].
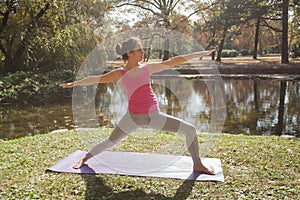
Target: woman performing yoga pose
[(143, 110)]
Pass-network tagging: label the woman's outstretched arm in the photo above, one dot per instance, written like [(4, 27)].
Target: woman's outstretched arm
[(105, 78), (160, 66)]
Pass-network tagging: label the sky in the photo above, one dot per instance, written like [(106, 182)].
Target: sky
[(132, 17)]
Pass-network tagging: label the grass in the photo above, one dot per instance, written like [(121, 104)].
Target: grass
[(255, 167)]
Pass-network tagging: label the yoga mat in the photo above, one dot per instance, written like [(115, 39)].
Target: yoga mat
[(140, 164)]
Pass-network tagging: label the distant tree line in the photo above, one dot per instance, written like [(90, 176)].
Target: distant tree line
[(224, 22), (44, 35)]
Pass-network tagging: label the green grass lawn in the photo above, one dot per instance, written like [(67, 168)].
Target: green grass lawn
[(255, 167)]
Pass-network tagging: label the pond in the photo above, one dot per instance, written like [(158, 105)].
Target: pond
[(254, 107)]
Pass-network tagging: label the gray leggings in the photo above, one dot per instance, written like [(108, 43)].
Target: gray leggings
[(155, 120)]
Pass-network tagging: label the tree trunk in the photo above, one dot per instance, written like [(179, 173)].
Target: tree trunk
[(284, 45), (15, 61), (221, 46), (213, 44), (256, 38), (260, 51), (166, 53)]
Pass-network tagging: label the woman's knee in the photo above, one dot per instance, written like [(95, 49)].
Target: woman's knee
[(188, 130)]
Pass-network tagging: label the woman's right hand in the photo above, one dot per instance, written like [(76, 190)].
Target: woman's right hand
[(67, 85)]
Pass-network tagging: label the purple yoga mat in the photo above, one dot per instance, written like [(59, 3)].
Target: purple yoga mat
[(140, 164)]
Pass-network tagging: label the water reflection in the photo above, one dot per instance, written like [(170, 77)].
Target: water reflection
[(264, 107), (16, 121), (256, 107)]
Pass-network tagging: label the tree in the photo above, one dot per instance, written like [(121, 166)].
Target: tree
[(278, 11), (165, 15), (14, 55), (234, 13), (256, 38), (47, 34), (285, 46), (294, 36), (162, 10), (262, 10)]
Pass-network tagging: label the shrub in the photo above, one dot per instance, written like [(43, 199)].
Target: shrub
[(296, 50), (34, 87), (229, 53), (246, 52)]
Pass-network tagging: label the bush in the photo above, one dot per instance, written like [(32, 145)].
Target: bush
[(296, 50), (246, 52), (34, 87), (229, 53)]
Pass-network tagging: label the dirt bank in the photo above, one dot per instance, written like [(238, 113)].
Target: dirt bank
[(242, 67)]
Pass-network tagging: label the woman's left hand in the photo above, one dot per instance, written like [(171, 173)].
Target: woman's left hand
[(210, 51)]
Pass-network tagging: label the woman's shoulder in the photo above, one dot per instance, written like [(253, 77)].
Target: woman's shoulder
[(153, 67), (117, 72), (145, 68)]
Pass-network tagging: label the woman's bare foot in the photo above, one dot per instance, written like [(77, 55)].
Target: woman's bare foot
[(80, 163), (199, 167)]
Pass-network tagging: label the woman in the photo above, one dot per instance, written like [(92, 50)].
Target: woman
[(143, 108)]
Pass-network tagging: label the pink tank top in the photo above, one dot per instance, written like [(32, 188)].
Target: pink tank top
[(141, 99)]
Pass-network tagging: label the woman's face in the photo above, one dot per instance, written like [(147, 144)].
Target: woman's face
[(138, 52)]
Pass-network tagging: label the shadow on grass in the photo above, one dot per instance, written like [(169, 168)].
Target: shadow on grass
[(97, 189)]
